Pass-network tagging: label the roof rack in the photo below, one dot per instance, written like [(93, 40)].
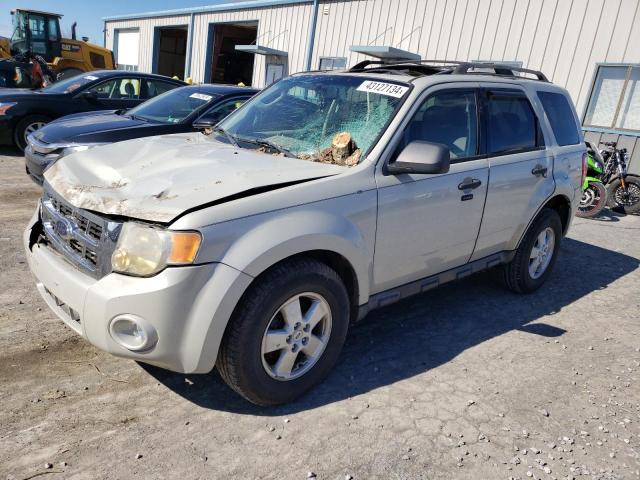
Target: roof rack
[(430, 67), (498, 69)]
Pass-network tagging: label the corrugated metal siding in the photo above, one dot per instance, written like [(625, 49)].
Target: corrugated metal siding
[(145, 26), (563, 38), (293, 20)]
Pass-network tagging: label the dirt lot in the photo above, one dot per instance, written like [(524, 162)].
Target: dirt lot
[(469, 381)]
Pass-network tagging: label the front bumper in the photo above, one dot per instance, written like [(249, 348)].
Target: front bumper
[(188, 306)]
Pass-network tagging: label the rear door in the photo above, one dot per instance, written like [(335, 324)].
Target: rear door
[(429, 223), (521, 167)]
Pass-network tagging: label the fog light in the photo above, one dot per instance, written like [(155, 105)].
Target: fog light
[(133, 332)]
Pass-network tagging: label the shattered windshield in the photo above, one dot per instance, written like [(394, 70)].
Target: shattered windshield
[(324, 118)]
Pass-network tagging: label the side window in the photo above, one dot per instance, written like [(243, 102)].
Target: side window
[(560, 117), (449, 118), (157, 87), (118, 88), (222, 109), (511, 124)]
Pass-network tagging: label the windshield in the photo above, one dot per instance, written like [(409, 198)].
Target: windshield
[(70, 84), (172, 106), (18, 36), (326, 118)]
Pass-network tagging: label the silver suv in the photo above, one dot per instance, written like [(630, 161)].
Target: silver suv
[(254, 245)]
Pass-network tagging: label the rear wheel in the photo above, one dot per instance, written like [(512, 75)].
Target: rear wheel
[(626, 199), (593, 200), (536, 255), (26, 127), (286, 334)]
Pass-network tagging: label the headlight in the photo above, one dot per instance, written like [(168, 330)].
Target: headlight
[(4, 106), (144, 250)]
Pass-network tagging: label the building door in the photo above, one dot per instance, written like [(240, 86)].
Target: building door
[(229, 65), (126, 46), (171, 53)]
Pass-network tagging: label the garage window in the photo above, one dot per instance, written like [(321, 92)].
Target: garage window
[(615, 98)]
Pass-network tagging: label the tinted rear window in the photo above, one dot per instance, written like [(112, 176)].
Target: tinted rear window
[(512, 124), (560, 117)]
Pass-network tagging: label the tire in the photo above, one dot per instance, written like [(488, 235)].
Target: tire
[(517, 274), (68, 73), (242, 361), (26, 126), (594, 199), (627, 205)]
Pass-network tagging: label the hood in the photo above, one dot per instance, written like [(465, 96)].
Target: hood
[(81, 127), (159, 178), (17, 94)]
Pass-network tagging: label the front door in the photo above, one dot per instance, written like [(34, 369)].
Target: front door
[(117, 93), (429, 223)]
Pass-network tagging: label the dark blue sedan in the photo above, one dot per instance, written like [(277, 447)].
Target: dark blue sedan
[(180, 110)]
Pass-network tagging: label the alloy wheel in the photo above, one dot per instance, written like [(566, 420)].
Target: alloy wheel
[(542, 253), (296, 336)]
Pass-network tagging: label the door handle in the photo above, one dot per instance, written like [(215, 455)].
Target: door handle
[(469, 184), (539, 171)]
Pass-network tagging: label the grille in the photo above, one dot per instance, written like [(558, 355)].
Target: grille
[(85, 239)]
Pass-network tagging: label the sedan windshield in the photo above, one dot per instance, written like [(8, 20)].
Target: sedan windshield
[(172, 106), (312, 117), (68, 85)]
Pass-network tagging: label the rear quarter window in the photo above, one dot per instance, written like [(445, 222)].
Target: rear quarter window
[(561, 118)]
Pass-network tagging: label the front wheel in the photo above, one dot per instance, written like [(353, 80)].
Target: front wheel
[(26, 127), (594, 199), (536, 255), (286, 333), (627, 197)]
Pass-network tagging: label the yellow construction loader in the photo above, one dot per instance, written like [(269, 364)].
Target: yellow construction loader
[(36, 35)]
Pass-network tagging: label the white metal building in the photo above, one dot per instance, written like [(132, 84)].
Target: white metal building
[(591, 47)]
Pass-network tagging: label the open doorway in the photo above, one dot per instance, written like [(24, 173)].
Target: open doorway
[(171, 51), (228, 65)]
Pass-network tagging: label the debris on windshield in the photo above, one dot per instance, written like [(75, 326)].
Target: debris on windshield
[(343, 151)]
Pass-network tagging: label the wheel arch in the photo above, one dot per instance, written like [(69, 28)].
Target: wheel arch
[(561, 204)]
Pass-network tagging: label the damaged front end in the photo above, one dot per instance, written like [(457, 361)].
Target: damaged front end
[(84, 239)]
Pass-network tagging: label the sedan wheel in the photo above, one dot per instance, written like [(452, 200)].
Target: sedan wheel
[(32, 127)]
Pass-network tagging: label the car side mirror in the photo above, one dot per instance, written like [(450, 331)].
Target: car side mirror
[(88, 95), (204, 123), (421, 157)]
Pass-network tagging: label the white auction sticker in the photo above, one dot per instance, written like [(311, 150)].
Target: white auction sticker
[(201, 96), (383, 88), (91, 77)]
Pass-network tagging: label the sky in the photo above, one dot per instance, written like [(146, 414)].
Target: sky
[(89, 13)]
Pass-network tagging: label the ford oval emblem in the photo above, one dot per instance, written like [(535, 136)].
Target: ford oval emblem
[(64, 228)]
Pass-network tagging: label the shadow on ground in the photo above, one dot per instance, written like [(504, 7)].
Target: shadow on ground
[(426, 331), (6, 151)]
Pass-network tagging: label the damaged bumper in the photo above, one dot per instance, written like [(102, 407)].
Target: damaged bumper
[(187, 307)]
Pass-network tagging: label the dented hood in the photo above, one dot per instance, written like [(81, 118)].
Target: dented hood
[(159, 178)]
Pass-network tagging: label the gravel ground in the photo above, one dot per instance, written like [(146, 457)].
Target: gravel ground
[(469, 381)]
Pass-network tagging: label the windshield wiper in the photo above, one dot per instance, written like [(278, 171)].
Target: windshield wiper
[(267, 144), (230, 137)]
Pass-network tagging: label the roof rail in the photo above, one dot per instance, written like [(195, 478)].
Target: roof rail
[(450, 66), (498, 69)]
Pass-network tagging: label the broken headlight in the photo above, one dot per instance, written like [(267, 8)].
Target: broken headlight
[(144, 250)]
